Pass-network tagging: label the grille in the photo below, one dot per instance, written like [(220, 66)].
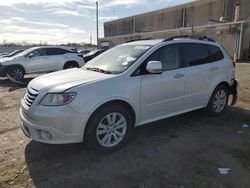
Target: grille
[(30, 96)]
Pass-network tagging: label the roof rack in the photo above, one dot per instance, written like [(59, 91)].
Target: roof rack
[(133, 40), (197, 37)]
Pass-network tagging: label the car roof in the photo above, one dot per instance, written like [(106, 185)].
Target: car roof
[(145, 42), (177, 40)]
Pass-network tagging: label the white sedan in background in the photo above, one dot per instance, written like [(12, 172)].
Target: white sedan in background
[(40, 60)]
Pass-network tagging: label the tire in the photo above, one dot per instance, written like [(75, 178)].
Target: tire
[(109, 128), (16, 73), (218, 101), (71, 65)]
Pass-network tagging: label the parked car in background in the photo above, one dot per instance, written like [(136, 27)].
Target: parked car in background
[(93, 54), (127, 86), (84, 52), (3, 54), (12, 53), (40, 60)]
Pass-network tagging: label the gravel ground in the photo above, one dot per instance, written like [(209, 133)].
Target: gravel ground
[(179, 152)]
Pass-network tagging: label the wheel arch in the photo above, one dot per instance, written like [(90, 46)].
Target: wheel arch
[(113, 101), (224, 83), (121, 102), (6, 68), (69, 62)]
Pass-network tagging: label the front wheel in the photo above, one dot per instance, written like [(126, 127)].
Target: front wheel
[(218, 101), (109, 128), (16, 73)]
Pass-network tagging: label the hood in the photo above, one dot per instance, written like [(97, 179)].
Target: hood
[(66, 79), (8, 60)]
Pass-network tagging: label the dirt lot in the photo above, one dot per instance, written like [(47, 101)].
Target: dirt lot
[(184, 151)]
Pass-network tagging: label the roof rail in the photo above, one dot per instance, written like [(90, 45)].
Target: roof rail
[(197, 37), (133, 40)]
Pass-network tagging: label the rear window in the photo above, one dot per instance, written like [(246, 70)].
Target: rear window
[(215, 53), (195, 54), (198, 54)]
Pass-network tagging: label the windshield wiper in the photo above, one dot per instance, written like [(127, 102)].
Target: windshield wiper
[(98, 70)]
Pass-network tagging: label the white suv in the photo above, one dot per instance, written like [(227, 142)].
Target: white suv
[(40, 60), (127, 86)]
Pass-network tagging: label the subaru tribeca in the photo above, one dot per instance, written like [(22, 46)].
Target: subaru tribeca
[(125, 87)]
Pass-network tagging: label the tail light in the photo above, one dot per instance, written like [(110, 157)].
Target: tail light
[(234, 63), (234, 60)]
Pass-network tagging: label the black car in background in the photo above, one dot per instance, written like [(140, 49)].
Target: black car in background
[(93, 54), (12, 53), (84, 52)]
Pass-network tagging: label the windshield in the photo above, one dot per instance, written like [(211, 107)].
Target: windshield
[(117, 59), (25, 52)]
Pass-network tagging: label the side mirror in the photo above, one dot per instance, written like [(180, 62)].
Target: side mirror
[(31, 55), (154, 67)]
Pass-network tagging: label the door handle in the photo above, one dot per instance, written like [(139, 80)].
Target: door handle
[(213, 68), (178, 75)]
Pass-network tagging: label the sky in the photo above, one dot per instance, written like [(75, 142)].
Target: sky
[(63, 21)]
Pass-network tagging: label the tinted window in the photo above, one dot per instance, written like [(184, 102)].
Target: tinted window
[(195, 54), (56, 51), (168, 55), (215, 53)]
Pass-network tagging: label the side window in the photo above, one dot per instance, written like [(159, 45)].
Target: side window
[(168, 55), (39, 52), (215, 53), (195, 54), (55, 51)]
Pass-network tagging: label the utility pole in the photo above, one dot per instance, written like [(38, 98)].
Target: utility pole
[(90, 40), (97, 30)]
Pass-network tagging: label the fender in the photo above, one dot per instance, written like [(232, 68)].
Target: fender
[(99, 104), (217, 82)]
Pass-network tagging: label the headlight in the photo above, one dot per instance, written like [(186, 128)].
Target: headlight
[(57, 99)]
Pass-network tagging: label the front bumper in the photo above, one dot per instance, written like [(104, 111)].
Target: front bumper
[(234, 91), (52, 126)]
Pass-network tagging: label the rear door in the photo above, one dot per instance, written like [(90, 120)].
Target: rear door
[(56, 58), (162, 94), (199, 72)]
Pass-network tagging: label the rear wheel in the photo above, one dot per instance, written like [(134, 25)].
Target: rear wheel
[(70, 65), (16, 73), (218, 101), (109, 128)]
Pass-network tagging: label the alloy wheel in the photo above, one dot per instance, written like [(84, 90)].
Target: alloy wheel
[(111, 129), (219, 101), (17, 74)]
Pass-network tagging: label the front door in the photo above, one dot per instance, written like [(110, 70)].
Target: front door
[(38, 61), (162, 94)]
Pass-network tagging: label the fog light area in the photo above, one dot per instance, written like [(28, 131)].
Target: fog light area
[(45, 135)]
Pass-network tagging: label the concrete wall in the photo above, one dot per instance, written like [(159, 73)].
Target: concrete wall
[(169, 22), (245, 9), (195, 13), (226, 35)]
